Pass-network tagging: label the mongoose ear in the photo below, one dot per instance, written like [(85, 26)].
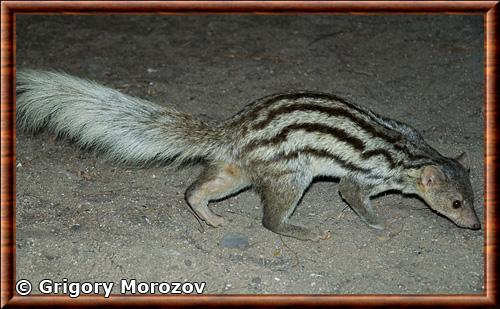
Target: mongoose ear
[(464, 160), (431, 176)]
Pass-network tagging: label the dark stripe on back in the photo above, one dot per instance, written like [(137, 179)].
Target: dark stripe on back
[(330, 111), (423, 161), (321, 153), (380, 152), (337, 133), (389, 135), (266, 101), (317, 153)]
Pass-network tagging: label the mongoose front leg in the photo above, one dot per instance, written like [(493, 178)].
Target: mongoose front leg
[(279, 202), (215, 182), (358, 197)]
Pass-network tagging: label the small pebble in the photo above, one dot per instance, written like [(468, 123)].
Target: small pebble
[(235, 241), (256, 280)]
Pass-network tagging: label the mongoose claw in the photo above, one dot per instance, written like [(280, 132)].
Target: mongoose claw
[(322, 236)]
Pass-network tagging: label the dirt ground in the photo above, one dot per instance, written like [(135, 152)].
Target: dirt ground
[(86, 219)]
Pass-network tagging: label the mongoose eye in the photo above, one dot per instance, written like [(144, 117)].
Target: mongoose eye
[(457, 204)]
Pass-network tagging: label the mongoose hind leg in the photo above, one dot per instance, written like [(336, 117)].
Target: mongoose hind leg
[(358, 197), (279, 202), (217, 181)]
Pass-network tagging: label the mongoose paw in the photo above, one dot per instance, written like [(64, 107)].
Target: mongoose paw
[(326, 235), (378, 226), (374, 222), (322, 236), (215, 221)]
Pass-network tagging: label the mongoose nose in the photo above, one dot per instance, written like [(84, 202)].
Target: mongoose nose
[(476, 226)]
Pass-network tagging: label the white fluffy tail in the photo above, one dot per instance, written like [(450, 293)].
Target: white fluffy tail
[(127, 129)]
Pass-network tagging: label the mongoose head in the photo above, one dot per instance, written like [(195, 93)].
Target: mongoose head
[(446, 188)]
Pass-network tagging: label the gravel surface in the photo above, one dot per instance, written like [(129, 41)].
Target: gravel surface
[(83, 218)]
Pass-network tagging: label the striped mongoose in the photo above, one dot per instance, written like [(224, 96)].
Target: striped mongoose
[(276, 145)]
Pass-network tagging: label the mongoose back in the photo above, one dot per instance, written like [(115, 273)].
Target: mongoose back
[(276, 144)]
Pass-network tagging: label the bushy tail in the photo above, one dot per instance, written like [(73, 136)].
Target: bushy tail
[(127, 129)]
